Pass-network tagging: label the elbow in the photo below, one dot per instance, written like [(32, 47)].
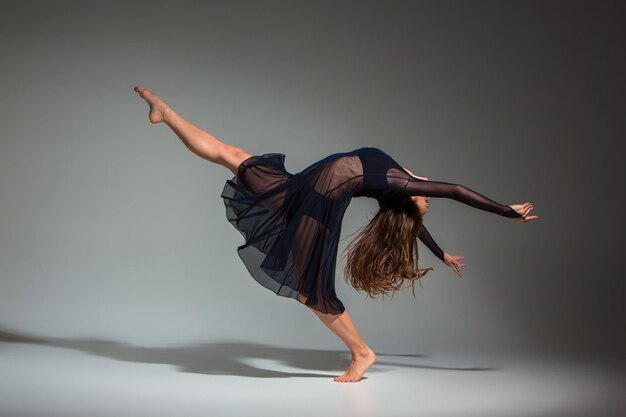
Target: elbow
[(458, 191)]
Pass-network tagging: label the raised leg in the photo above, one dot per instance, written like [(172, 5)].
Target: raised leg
[(197, 140), (362, 356)]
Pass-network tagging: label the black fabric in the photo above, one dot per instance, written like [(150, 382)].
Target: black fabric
[(430, 243), (291, 223)]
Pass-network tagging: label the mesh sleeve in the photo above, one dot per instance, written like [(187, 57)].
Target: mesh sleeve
[(428, 240), (459, 193)]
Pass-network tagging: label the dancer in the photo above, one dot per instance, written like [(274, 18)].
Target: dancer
[(291, 223)]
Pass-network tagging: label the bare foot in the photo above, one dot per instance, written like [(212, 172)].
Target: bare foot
[(358, 366), (158, 109)]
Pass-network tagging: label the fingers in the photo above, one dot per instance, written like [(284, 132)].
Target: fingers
[(456, 265), (525, 219), (527, 208), (523, 211), (453, 262)]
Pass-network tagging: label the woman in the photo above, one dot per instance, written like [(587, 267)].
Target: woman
[(291, 223)]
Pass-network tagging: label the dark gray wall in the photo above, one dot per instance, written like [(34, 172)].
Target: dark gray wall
[(110, 228)]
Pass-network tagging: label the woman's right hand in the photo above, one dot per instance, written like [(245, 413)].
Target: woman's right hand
[(523, 210)]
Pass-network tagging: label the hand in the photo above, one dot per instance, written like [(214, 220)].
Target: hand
[(453, 262), (523, 209)]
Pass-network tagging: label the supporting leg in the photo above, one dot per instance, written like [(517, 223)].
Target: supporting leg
[(362, 356), (197, 140)]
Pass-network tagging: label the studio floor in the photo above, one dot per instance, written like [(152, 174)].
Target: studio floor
[(100, 378)]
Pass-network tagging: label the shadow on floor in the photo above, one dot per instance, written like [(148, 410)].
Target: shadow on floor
[(229, 358)]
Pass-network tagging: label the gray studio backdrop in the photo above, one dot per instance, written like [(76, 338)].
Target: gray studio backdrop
[(111, 229)]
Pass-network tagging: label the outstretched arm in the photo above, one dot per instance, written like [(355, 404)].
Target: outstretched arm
[(453, 261), (457, 192), (428, 240)]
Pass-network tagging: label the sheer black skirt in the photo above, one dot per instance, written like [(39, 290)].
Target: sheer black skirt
[(291, 223)]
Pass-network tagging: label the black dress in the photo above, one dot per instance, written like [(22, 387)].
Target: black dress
[(291, 222)]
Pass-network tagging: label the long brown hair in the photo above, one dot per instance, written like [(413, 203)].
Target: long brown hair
[(384, 253)]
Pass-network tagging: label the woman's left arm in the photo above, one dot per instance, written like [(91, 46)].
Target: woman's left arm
[(451, 260), (428, 240)]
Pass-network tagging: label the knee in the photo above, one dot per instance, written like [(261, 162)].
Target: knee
[(236, 155), (238, 152)]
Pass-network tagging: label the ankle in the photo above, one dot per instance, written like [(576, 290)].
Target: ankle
[(168, 114), (361, 351)]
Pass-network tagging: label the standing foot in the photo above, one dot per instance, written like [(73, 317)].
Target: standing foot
[(360, 363), (158, 109)]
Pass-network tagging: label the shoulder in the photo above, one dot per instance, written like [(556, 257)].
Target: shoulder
[(371, 150), (368, 149)]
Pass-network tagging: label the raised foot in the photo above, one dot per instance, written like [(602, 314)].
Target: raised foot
[(358, 366), (158, 108)]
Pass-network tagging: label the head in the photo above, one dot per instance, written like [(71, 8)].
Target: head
[(421, 203), (384, 253)]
